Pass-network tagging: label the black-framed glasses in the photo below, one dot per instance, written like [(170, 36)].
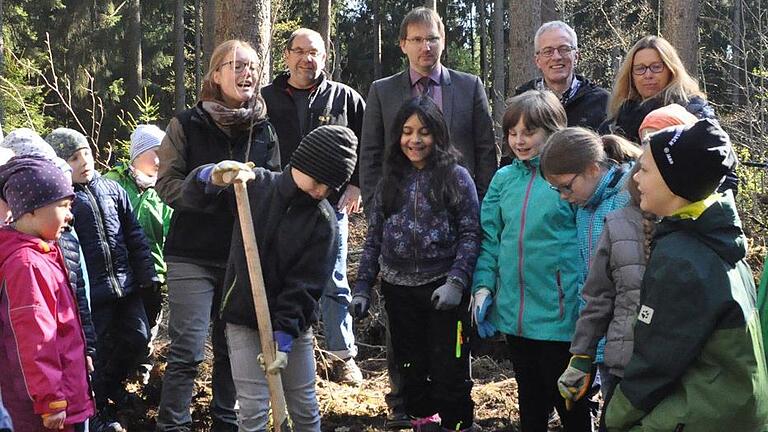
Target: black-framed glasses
[(641, 69), (563, 50), (567, 188), (303, 53), (431, 41), (239, 66)]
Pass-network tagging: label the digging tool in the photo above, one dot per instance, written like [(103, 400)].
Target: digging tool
[(276, 394)]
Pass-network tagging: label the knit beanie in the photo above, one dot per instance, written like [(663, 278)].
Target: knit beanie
[(30, 182), (666, 116), (145, 137), (66, 142), (693, 160), (327, 154), (25, 141)]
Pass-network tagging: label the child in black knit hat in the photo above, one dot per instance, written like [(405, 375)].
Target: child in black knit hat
[(296, 233), (698, 362)]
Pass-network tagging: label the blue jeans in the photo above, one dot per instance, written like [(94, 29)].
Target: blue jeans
[(194, 294), (253, 392), (334, 304)]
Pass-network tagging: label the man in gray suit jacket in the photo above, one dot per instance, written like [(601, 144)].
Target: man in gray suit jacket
[(460, 96)]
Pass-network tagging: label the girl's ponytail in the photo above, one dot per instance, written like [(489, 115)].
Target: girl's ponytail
[(619, 149)]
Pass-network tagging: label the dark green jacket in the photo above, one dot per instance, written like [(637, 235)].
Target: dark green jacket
[(153, 214), (698, 362)]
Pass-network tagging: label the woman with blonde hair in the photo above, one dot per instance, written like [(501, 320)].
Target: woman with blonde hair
[(651, 76), (228, 123)]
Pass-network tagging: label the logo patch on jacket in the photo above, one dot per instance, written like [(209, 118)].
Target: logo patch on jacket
[(645, 315)]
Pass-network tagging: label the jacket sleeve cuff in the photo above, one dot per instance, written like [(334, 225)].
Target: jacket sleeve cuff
[(46, 407), (283, 340), (362, 288)]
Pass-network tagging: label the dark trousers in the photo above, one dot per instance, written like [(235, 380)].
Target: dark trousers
[(538, 365), (122, 335), (432, 358)]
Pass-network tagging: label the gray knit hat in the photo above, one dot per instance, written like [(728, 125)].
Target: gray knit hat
[(24, 141), (66, 142), (144, 138), (328, 155)]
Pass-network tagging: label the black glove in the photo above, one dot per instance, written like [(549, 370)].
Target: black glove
[(358, 307)]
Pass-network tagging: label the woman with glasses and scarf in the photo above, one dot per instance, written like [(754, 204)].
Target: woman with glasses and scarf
[(228, 123)]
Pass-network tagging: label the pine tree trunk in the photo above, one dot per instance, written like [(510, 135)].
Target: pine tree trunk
[(737, 44), (198, 48), (376, 39), (178, 57), (432, 4), (524, 20), (681, 29), (248, 20), (324, 23), (499, 54), (549, 11), (209, 32), (133, 55), (483, 18)]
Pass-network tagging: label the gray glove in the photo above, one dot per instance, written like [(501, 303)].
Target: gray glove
[(358, 307), (447, 295), (227, 172)]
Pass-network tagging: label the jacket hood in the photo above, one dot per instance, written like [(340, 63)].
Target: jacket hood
[(612, 183), (12, 240), (719, 227)]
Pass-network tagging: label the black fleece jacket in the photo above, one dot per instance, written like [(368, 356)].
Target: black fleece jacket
[(296, 237)]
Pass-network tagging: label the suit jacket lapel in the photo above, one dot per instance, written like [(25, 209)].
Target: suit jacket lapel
[(405, 87), (447, 89)]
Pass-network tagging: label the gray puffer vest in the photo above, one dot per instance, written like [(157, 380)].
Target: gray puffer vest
[(612, 290)]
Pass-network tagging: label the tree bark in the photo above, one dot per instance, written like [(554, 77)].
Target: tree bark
[(524, 20), (248, 20), (198, 48), (549, 11), (432, 4), (681, 29), (376, 39), (325, 23), (737, 44), (209, 31), (178, 57), (133, 56), (499, 54), (483, 18)]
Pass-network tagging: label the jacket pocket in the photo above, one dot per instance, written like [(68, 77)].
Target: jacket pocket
[(560, 293)]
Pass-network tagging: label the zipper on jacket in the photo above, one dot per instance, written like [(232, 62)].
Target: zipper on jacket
[(105, 244), (520, 259), (415, 222), (560, 295)]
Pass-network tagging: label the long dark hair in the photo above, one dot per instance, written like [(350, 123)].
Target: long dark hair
[(443, 190)]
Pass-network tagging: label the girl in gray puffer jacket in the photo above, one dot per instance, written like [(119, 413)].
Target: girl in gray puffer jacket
[(612, 293)]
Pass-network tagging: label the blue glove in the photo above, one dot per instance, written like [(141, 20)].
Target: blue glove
[(481, 301)]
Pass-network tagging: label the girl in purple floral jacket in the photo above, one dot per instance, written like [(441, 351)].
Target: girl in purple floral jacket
[(424, 238)]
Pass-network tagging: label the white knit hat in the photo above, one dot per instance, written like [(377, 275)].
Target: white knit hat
[(145, 137), (25, 141)]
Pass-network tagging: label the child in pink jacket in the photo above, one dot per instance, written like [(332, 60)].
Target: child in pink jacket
[(44, 380)]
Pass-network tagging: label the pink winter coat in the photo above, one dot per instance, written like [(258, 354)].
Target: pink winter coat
[(42, 346)]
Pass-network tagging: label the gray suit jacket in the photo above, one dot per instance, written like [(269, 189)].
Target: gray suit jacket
[(467, 115)]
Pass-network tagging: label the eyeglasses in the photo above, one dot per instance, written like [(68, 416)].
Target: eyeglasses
[(567, 188), (564, 50), (239, 66), (303, 53), (640, 69), (431, 41)]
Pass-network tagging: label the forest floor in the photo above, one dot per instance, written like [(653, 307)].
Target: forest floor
[(361, 409)]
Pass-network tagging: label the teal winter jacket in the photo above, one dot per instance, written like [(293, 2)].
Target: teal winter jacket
[(529, 257)]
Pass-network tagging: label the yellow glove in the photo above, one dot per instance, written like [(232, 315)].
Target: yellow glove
[(228, 172)]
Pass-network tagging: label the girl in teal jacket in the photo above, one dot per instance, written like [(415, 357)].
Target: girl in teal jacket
[(527, 275)]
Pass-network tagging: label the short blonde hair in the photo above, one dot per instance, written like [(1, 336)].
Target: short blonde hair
[(679, 89)]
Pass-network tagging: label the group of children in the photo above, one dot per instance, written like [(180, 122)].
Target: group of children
[(81, 282), (582, 238)]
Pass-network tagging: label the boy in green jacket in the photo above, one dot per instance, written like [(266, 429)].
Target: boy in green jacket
[(138, 178), (698, 363)]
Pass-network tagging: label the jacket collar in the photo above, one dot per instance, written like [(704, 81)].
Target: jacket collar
[(610, 184)]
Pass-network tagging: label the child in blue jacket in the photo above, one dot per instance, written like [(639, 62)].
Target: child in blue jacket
[(527, 276), (119, 266), (424, 231)]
